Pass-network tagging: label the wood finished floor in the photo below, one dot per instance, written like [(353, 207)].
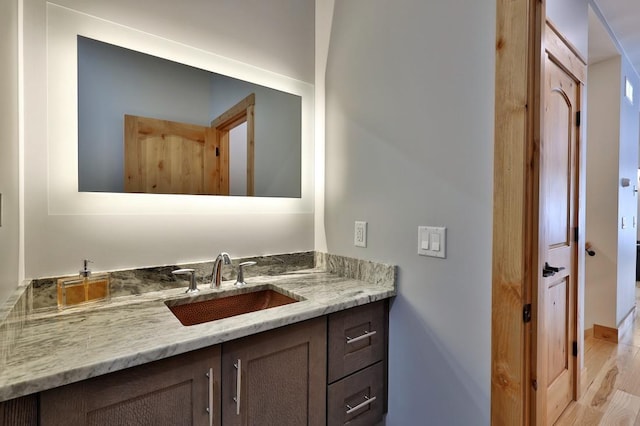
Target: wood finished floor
[(611, 382)]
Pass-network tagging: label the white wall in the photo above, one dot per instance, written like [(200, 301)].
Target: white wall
[(603, 123), (570, 17), (9, 187), (612, 152), (324, 20), (627, 199), (278, 37), (409, 142)]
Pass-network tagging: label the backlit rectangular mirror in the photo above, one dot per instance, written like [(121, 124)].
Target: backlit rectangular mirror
[(151, 125)]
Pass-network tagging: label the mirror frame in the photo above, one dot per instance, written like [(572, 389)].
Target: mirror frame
[(63, 27)]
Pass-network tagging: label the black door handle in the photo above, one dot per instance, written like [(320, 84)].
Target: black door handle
[(549, 271)]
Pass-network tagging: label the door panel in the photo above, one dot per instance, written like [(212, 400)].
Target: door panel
[(558, 221), (559, 167), (556, 315), (173, 165), (168, 157)]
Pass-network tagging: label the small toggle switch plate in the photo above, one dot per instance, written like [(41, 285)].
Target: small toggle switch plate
[(432, 241)]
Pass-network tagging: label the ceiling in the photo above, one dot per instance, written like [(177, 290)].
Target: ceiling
[(623, 16)]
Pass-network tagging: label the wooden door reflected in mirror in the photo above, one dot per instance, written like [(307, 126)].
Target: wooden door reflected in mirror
[(169, 157)]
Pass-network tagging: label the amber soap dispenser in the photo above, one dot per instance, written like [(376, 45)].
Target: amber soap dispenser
[(83, 288)]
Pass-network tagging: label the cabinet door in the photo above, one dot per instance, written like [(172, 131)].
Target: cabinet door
[(21, 411), (182, 390), (277, 377)]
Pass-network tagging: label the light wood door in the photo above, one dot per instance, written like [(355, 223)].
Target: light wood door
[(169, 157), (519, 378), (182, 390), (276, 378), (557, 292)]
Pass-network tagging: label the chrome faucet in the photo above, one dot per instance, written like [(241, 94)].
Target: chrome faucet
[(217, 270)]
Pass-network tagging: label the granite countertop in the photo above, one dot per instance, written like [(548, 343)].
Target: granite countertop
[(57, 348)]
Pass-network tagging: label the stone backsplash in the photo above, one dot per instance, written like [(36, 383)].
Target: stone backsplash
[(143, 280), (357, 269)]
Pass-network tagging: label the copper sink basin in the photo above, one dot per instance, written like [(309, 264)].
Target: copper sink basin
[(228, 306)]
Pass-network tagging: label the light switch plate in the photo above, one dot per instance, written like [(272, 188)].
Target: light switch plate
[(432, 241)]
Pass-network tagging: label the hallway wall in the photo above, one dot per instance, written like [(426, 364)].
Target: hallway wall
[(602, 196)]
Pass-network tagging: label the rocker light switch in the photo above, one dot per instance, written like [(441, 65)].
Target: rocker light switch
[(435, 241)]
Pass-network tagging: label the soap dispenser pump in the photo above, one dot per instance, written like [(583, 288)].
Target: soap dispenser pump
[(84, 288), (85, 272)]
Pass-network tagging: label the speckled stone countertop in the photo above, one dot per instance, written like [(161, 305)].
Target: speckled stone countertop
[(56, 348)]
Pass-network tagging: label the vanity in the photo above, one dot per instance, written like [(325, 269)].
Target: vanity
[(321, 360)]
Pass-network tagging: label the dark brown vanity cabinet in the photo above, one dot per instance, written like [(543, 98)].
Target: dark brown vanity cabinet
[(181, 390), (273, 378), (357, 368), (330, 370), (276, 378)]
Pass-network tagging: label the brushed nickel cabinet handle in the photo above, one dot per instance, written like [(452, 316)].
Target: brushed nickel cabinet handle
[(362, 337), (238, 367), (210, 403), (364, 403)]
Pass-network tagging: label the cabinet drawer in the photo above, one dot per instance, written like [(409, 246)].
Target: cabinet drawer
[(357, 399), (356, 339)]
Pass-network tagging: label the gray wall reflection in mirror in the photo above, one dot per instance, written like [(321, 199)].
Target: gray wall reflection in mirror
[(114, 81)]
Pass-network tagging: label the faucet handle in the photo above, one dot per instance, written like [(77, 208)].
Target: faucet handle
[(193, 286), (240, 280)]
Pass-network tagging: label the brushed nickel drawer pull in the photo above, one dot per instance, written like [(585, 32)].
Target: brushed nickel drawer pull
[(236, 398), (364, 336), (210, 406), (364, 403)]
